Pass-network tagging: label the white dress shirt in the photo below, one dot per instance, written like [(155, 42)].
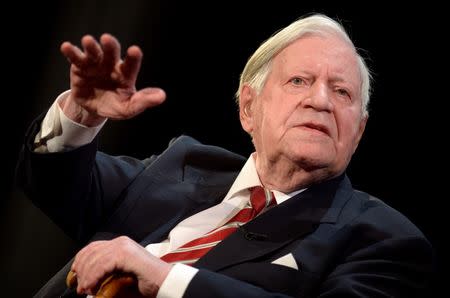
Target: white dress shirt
[(59, 133)]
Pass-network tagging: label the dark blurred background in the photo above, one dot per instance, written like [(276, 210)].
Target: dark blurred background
[(196, 53)]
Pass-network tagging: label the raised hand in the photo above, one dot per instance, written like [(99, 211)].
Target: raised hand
[(102, 84)]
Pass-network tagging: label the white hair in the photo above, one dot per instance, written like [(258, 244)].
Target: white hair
[(259, 64)]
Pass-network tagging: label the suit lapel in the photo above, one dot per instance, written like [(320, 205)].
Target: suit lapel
[(175, 193), (205, 197), (279, 226)]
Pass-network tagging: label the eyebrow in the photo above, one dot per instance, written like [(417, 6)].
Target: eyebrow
[(337, 79), (333, 79)]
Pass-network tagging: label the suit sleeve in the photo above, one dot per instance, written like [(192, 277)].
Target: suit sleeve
[(78, 189)]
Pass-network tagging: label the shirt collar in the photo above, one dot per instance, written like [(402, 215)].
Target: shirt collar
[(248, 178)]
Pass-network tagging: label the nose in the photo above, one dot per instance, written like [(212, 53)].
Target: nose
[(318, 97)]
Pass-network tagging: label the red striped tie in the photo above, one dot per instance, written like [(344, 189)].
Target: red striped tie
[(190, 252)]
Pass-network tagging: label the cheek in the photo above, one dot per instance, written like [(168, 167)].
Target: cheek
[(283, 114), (266, 119), (274, 114), (348, 136)]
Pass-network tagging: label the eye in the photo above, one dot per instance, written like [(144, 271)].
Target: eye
[(343, 92), (297, 81)]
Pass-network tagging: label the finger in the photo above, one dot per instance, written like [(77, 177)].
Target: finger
[(87, 267), (111, 49), (146, 98), (96, 268), (72, 53), (90, 259), (131, 64), (81, 256), (92, 49)]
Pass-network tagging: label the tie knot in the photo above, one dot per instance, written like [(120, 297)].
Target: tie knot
[(261, 198)]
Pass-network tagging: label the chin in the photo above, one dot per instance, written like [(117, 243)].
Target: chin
[(315, 151), (313, 160)]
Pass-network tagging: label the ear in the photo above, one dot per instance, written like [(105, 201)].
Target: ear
[(361, 128), (246, 98)]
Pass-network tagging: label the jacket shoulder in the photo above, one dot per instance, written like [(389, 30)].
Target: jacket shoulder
[(377, 212), (187, 159)]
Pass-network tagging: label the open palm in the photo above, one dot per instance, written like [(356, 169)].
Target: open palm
[(102, 84)]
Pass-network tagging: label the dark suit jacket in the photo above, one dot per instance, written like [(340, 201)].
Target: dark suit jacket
[(345, 242)]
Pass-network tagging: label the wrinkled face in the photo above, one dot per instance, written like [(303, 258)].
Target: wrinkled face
[(309, 111)]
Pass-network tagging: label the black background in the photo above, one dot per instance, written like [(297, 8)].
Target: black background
[(196, 53)]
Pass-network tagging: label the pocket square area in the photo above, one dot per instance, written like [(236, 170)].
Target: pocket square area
[(288, 261)]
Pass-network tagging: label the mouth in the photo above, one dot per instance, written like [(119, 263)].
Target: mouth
[(316, 127)]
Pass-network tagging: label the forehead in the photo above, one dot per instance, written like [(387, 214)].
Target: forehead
[(313, 53)]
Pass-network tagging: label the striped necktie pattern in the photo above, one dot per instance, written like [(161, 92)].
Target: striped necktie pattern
[(189, 253)]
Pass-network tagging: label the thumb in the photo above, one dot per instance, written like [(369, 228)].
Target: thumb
[(147, 98)]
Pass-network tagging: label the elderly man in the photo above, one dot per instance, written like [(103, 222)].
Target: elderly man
[(200, 221)]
